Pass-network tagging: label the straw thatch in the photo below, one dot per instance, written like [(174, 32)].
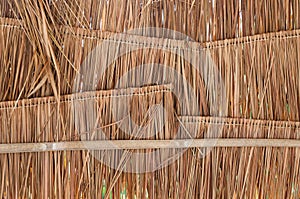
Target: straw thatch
[(251, 47)]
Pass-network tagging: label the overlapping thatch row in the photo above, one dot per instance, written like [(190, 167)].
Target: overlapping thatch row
[(220, 173), (67, 174), (252, 69), (244, 167), (202, 20)]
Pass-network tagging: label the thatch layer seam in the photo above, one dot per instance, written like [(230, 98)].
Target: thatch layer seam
[(127, 92), (143, 41)]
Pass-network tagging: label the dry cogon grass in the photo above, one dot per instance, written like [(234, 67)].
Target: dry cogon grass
[(254, 46)]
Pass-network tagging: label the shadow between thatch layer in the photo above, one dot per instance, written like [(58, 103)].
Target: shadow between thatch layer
[(102, 94), (130, 38)]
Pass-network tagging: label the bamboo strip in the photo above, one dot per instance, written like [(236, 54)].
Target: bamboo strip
[(144, 144)]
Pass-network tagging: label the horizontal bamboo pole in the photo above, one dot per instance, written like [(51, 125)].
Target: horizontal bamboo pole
[(144, 144)]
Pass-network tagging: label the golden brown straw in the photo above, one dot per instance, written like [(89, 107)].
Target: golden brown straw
[(253, 47)]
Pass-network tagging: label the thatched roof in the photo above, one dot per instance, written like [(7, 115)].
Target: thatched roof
[(96, 104)]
